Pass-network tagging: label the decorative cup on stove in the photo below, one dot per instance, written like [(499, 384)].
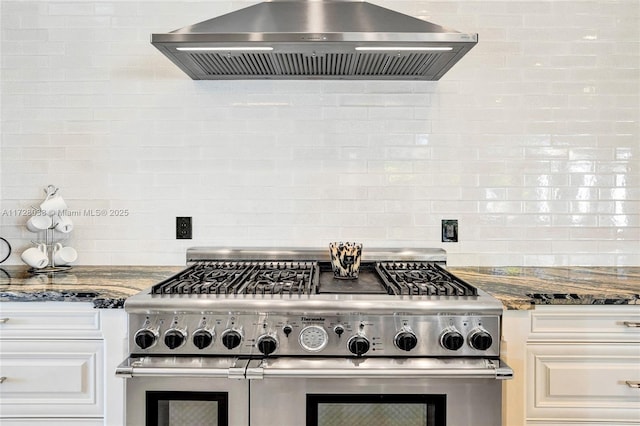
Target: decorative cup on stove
[(345, 260)]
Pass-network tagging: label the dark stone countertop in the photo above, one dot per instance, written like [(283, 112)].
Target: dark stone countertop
[(523, 288), (518, 288), (104, 286)]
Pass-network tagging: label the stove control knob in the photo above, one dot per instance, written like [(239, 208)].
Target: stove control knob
[(480, 339), (267, 344), (451, 339), (231, 338), (145, 338), (174, 338), (358, 345), (202, 338), (405, 340), (287, 329)]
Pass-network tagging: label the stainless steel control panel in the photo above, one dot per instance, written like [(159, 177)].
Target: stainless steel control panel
[(211, 333)]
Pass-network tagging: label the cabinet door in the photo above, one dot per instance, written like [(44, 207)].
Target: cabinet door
[(583, 382), (60, 378)]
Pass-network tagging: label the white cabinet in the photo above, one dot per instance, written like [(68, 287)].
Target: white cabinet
[(57, 377), (54, 364), (583, 382), (579, 365)]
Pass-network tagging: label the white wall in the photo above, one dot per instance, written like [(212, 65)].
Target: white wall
[(531, 141)]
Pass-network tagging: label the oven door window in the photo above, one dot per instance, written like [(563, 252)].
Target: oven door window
[(187, 409), (376, 410)]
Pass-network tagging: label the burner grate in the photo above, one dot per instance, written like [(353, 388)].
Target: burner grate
[(242, 277), (423, 279)]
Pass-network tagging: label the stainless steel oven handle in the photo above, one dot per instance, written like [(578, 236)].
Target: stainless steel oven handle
[(494, 370), (132, 371), (383, 374), (255, 369), (132, 367), (129, 372)]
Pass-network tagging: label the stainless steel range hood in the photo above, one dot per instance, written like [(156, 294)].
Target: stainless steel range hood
[(316, 39)]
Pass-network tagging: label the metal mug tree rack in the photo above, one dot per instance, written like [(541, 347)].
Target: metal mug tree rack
[(50, 240)]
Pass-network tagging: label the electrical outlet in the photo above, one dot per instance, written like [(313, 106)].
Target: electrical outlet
[(183, 228), (450, 230)]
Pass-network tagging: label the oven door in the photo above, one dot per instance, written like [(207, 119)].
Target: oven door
[(377, 391), (185, 391)]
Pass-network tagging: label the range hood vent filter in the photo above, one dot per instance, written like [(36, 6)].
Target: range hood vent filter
[(289, 64), (216, 64), (315, 39)]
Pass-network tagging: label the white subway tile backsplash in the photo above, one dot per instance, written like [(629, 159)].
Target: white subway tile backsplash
[(531, 141)]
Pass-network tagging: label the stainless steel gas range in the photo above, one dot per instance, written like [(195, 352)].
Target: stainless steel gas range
[(269, 337)]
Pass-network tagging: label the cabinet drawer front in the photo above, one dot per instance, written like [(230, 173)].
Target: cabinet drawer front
[(49, 320), (52, 422), (586, 323), (583, 381), (51, 378)]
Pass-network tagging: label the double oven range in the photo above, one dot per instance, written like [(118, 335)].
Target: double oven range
[(268, 337)]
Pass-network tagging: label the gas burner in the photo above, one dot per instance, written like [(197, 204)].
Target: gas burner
[(422, 278), (282, 277), (242, 278), (271, 287), (277, 281), (205, 278)]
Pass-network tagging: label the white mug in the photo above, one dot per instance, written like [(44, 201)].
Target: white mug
[(63, 224), (64, 255), (36, 257), (53, 204), (39, 223)]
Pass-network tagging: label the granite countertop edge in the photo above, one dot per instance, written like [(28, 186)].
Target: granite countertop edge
[(517, 287)]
